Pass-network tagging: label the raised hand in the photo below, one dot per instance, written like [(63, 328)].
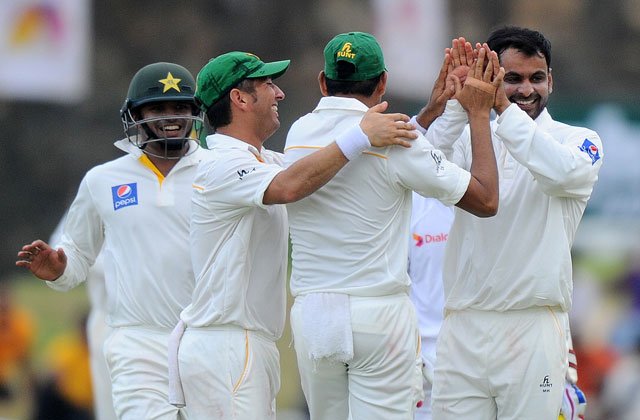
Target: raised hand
[(443, 89), (387, 129), (43, 261), (463, 57), (479, 90)]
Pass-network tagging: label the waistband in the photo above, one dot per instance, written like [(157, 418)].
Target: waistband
[(145, 328), (358, 298), (230, 327), (553, 309)]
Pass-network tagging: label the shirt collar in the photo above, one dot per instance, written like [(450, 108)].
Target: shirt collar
[(340, 103), (544, 119), (192, 157), (222, 141)]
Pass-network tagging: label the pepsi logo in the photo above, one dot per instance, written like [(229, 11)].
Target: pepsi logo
[(123, 191)]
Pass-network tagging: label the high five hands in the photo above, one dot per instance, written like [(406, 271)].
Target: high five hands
[(459, 61)]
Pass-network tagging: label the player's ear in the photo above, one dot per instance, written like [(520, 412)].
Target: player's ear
[(550, 80), (382, 84), (237, 97), (322, 82)]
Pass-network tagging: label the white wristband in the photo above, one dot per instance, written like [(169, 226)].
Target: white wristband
[(353, 142)]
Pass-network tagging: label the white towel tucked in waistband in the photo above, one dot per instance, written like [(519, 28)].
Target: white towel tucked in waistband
[(326, 321), (176, 395)]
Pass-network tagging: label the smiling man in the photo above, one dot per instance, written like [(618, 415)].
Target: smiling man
[(227, 357), (138, 207), (502, 352)]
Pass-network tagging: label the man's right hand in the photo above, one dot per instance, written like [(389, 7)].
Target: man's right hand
[(387, 129), (43, 261), (479, 90)]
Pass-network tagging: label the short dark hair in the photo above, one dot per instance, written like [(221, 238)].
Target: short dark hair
[(348, 87), (528, 41), (219, 113)]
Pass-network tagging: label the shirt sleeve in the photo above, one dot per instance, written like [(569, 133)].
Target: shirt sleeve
[(447, 128), (229, 186), (566, 168), (426, 170), (82, 239)]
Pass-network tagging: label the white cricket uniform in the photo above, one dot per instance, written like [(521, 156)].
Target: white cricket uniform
[(350, 238), (97, 332), (507, 279), (228, 360), (430, 224), (142, 219)]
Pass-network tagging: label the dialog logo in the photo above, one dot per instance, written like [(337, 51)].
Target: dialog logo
[(124, 195)]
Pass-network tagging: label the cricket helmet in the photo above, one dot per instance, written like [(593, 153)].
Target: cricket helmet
[(160, 82)]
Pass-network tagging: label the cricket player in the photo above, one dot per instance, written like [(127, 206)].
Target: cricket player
[(135, 210), (355, 328), (227, 360), (502, 352)]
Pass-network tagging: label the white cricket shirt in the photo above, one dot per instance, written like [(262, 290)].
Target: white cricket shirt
[(350, 236), (430, 224), (239, 245), (142, 218), (520, 258)]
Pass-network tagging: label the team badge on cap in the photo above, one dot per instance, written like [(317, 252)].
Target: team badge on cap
[(124, 195), (170, 82), (590, 149)]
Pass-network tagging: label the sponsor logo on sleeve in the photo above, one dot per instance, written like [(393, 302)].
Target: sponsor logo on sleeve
[(437, 157), (590, 149), (243, 172), (124, 195)]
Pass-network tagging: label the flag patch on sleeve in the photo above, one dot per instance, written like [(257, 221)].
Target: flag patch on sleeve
[(590, 149)]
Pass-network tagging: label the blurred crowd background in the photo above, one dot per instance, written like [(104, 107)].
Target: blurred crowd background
[(65, 66)]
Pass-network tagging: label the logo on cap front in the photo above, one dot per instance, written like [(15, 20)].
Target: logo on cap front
[(170, 82), (124, 195), (345, 51)]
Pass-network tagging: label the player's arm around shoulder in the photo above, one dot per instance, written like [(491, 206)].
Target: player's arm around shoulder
[(310, 173)]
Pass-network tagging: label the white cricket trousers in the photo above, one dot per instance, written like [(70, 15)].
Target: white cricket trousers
[(501, 365), (229, 373), (383, 381), (137, 361)]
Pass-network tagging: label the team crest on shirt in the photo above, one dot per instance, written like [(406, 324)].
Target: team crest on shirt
[(590, 149), (124, 195), (437, 157)]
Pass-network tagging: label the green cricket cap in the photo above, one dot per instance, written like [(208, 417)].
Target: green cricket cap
[(225, 71), (359, 48)]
